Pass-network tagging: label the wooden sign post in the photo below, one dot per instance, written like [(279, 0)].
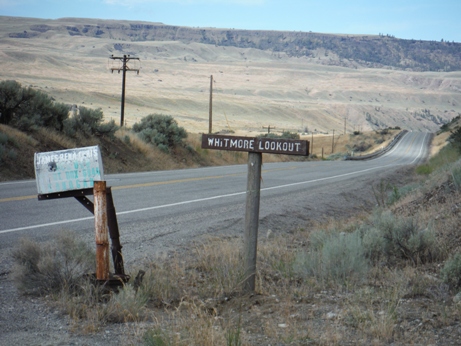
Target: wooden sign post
[(255, 148)]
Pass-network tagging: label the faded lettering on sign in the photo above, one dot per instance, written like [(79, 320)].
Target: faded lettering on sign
[(67, 170)]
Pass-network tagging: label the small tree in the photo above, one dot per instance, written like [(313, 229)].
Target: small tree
[(13, 98), (160, 130)]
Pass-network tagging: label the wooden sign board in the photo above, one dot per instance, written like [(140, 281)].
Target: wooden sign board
[(255, 144), (67, 170)]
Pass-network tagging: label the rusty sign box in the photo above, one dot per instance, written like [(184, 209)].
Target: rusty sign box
[(256, 144), (67, 170)]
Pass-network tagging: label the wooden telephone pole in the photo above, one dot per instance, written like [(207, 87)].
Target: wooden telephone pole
[(269, 128), (124, 59), (333, 142), (210, 119)]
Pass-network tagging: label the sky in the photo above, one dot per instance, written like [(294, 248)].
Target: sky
[(408, 19)]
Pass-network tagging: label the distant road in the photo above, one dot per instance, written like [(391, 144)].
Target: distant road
[(160, 210)]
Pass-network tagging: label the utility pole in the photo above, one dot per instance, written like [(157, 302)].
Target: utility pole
[(124, 59), (345, 121), (333, 142), (268, 128), (210, 116)]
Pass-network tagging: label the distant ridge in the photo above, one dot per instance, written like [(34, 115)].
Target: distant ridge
[(375, 51)]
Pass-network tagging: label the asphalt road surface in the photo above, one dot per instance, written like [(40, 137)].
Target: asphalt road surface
[(158, 211)]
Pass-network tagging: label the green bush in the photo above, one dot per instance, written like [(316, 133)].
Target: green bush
[(27, 109), (334, 257), (89, 122), (12, 98), (451, 272), (160, 130)]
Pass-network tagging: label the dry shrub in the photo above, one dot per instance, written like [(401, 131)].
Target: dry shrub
[(393, 239), (164, 282), (92, 306), (126, 305), (333, 257), (53, 266)]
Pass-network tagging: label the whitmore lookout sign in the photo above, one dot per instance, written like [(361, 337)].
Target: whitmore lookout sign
[(255, 147)]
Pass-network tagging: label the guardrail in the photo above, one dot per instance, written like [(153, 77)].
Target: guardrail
[(379, 152)]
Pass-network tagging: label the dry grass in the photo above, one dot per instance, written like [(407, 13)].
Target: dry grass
[(20, 137), (59, 139)]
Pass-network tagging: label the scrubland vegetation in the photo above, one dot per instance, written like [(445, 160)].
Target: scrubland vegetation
[(388, 277)]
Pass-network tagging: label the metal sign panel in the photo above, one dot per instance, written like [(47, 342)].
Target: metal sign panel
[(67, 170), (255, 144)]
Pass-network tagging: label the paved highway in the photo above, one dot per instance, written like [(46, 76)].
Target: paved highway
[(160, 210)]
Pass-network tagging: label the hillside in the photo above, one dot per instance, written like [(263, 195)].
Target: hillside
[(287, 80)]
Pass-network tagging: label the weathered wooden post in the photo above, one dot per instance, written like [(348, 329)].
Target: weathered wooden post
[(102, 234), (250, 237)]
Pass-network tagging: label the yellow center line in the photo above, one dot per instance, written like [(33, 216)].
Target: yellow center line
[(157, 183), (19, 198)]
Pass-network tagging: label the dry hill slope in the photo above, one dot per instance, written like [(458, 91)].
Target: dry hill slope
[(255, 85)]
